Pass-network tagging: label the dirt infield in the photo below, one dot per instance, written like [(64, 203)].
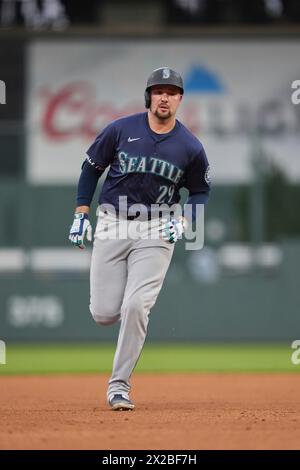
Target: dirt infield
[(186, 411)]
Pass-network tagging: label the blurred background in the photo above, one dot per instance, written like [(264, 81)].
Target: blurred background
[(71, 67)]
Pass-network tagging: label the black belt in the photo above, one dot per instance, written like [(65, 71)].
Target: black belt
[(144, 217), (138, 214), (147, 216), (133, 217)]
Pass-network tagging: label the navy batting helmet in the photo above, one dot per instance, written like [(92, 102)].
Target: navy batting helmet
[(162, 76)]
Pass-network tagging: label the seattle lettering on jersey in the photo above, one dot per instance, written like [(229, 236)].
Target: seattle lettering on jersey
[(157, 166), (146, 167)]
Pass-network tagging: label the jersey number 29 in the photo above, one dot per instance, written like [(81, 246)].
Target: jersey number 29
[(165, 194)]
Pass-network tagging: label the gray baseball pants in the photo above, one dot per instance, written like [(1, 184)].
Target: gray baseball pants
[(125, 280)]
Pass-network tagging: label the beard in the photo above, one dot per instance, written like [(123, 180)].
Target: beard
[(162, 115)]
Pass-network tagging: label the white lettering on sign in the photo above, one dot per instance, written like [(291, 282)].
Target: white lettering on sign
[(34, 311)]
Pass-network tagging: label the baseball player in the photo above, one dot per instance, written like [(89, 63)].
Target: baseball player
[(150, 156)]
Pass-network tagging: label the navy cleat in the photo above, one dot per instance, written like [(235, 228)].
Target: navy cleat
[(119, 402)]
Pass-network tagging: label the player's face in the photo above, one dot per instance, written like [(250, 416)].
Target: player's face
[(165, 100)]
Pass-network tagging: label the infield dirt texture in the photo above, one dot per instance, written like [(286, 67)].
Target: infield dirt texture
[(173, 411)]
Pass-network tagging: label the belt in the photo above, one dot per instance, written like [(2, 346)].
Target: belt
[(133, 217), (149, 216)]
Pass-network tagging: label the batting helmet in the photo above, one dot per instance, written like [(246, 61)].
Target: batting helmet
[(162, 76)]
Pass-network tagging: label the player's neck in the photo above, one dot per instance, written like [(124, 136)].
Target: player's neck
[(161, 126)]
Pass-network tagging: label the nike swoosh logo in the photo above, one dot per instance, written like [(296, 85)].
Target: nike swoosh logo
[(130, 139)]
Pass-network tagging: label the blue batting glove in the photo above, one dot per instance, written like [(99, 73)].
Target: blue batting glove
[(81, 227)]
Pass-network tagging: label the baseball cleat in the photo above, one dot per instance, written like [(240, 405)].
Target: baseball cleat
[(120, 403)]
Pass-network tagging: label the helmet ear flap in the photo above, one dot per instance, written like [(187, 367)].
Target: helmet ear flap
[(147, 99)]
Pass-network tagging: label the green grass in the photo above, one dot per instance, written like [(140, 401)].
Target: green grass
[(87, 358)]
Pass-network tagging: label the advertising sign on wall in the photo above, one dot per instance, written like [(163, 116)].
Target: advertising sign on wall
[(232, 88)]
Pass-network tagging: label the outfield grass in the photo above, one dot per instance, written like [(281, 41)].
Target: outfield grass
[(87, 358)]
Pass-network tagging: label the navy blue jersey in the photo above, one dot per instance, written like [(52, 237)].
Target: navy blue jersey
[(147, 167)]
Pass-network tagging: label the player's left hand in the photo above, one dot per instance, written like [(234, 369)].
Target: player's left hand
[(172, 230)]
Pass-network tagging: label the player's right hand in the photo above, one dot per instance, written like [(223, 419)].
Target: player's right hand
[(80, 228)]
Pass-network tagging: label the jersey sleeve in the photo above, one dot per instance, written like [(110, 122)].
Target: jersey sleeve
[(87, 184), (197, 178), (101, 153)]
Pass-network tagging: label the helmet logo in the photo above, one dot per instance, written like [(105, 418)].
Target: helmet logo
[(166, 73)]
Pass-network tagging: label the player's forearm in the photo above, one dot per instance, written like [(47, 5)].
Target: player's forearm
[(193, 200), (87, 185), (85, 209)]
